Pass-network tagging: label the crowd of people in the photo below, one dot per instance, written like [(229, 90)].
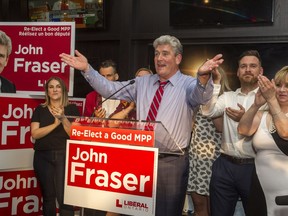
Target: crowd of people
[(222, 160), (181, 95), (234, 143)]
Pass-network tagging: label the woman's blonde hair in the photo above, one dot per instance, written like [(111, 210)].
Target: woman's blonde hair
[(224, 81), (64, 98), (280, 76)]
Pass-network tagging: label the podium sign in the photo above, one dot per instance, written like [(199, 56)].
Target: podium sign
[(111, 177), (141, 133), (111, 164), (112, 135)]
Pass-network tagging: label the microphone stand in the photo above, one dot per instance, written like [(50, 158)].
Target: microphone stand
[(130, 83)]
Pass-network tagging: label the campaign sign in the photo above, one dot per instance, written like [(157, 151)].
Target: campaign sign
[(35, 54), (111, 177), (20, 193), (112, 135), (15, 118)]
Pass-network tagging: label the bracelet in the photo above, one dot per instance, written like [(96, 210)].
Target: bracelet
[(275, 114)]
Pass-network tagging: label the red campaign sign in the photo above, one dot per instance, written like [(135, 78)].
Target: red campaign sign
[(112, 135), (15, 119), (20, 193), (111, 169), (35, 54)]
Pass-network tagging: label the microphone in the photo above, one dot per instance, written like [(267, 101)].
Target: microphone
[(281, 200), (130, 83)]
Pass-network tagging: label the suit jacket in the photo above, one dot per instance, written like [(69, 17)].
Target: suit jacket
[(7, 86)]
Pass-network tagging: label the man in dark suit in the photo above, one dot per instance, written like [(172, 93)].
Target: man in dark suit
[(6, 86)]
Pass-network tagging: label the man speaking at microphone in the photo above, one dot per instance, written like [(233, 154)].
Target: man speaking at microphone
[(180, 94)]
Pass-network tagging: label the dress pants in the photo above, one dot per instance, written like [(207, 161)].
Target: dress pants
[(49, 167), (229, 181), (172, 183)]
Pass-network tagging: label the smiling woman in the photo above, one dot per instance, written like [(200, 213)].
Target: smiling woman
[(269, 130), (50, 128)]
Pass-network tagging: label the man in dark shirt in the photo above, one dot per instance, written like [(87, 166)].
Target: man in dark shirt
[(6, 86)]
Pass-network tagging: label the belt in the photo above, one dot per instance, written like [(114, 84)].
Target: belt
[(237, 160), (163, 155)]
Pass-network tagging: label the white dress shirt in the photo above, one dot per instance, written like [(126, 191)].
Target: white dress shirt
[(232, 143)]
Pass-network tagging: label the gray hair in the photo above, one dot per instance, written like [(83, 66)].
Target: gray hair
[(5, 40), (170, 40)]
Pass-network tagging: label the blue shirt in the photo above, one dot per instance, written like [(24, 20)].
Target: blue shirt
[(181, 95)]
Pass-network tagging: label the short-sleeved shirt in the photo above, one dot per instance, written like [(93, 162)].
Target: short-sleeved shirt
[(56, 140)]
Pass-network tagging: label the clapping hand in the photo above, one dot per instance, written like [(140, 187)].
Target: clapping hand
[(235, 114), (266, 87), (216, 76), (57, 112), (100, 113)]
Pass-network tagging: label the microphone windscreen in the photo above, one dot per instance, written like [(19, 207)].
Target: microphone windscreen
[(131, 82)]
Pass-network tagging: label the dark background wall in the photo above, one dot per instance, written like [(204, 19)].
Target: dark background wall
[(132, 25)]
